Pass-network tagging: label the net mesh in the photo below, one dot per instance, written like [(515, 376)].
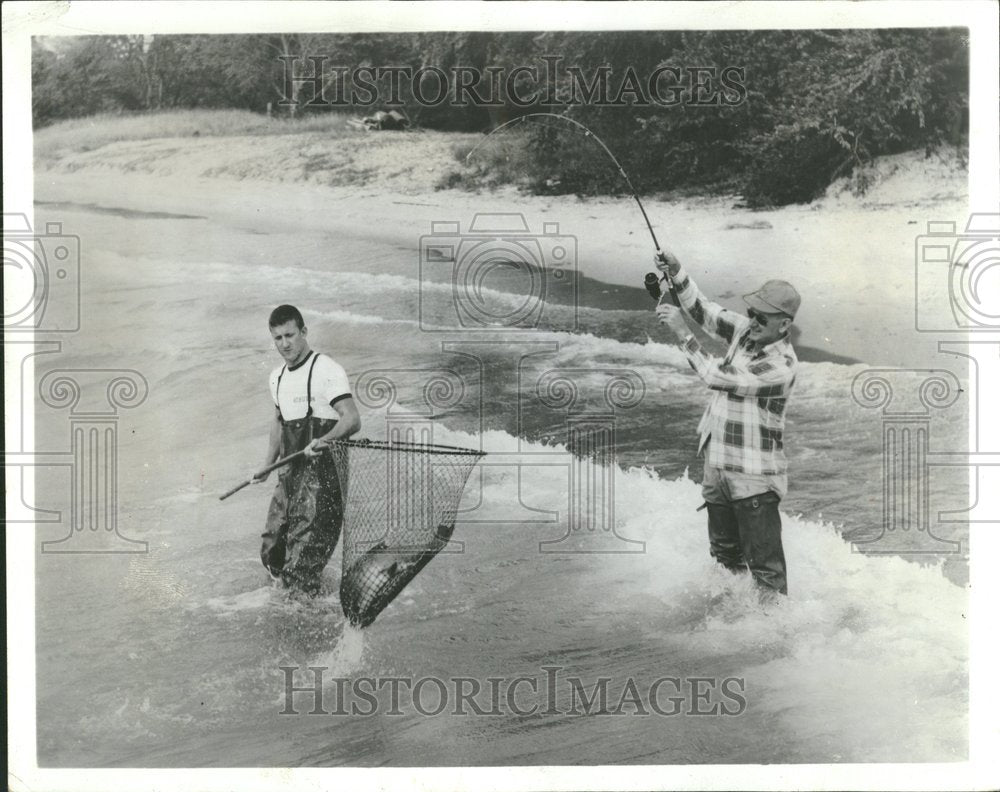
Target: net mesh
[(400, 505)]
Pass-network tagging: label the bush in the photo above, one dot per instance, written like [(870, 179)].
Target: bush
[(818, 105), (793, 166)]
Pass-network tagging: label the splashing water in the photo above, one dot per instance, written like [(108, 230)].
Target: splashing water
[(347, 655)]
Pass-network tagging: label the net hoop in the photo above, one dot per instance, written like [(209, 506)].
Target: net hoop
[(404, 446)]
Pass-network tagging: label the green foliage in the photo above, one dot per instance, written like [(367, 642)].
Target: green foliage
[(793, 165), (811, 105), (493, 162), (818, 105)]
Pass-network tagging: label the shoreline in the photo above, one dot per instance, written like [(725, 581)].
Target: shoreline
[(852, 259), (592, 293)]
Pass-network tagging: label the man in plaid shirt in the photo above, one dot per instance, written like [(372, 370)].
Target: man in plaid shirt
[(741, 434)]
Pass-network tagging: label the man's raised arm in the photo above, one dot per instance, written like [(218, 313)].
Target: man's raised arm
[(716, 320), (768, 379)]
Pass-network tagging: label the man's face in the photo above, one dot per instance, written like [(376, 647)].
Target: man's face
[(290, 341), (766, 328)]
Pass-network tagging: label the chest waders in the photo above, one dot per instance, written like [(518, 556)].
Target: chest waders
[(307, 510)]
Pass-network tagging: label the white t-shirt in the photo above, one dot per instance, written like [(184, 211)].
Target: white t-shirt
[(329, 385)]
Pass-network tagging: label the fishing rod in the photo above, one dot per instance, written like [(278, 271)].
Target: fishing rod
[(652, 280)]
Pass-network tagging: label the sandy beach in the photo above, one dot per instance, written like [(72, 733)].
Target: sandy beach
[(852, 257)]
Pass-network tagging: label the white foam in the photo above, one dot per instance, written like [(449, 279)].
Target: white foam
[(346, 656), (861, 644), (247, 601)]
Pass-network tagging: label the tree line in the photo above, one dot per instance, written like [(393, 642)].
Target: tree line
[(799, 108)]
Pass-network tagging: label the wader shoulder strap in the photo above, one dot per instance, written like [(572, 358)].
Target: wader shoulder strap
[(309, 386), (277, 391)]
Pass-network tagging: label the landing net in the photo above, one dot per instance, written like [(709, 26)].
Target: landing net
[(400, 505)]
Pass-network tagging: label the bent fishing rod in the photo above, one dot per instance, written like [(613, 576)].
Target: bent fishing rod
[(652, 280)]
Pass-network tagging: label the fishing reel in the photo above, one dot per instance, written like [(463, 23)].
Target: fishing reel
[(652, 284)]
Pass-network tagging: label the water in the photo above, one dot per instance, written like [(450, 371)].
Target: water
[(175, 657)]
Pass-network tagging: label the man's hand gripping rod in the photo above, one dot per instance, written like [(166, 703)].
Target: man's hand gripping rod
[(674, 316), (652, 284)]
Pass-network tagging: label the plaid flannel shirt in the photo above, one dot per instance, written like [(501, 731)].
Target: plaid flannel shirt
[(746, 415)]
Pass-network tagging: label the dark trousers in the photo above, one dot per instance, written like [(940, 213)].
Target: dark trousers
[(303, 524), (746, 533)]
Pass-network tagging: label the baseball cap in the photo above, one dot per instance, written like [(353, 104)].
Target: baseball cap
[(775, 296)]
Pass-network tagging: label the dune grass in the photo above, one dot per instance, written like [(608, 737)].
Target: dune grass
[(92, 132), (486, 163)]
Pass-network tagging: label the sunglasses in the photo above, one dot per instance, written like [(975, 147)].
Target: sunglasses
[(760, 318)]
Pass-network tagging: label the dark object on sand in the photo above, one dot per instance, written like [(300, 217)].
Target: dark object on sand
[(386, 120)]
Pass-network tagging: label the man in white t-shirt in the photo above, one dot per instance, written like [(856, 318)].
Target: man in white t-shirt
[(313, 406)]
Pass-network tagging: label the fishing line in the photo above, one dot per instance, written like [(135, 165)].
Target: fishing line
[(651, 284)]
